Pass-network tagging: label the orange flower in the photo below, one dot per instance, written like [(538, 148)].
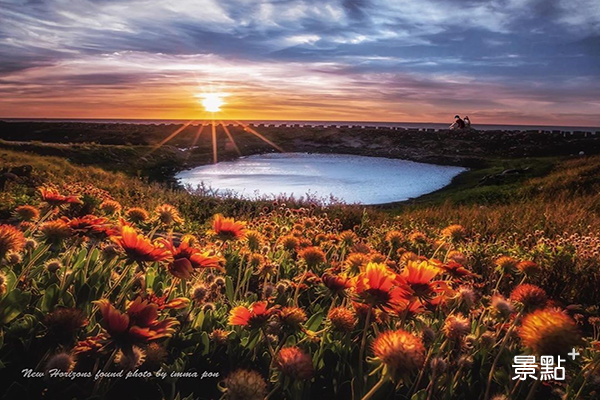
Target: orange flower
[(295, 363), (400, 351), (27, 213), (138, 247), (348, 238), (91, 345), (137, 215), (11, 239), (228, 228), (139, 324), (549, 332), (418, 276), (418, 238), (394, 238), (531, 296), (292, 317), (528, 267), (110, 206), (90, 225), (289, 242), (409, 308), (456, 270), (55, 231), (377, 286), (342, 319), (54, 198), (255, 316), (254, 240), (163, 303), (168, 215), (355, 261), (336, 283), (455, 233), (313, 256), (186, 259), (506, 264)]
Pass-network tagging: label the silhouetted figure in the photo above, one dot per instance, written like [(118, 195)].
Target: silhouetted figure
[(458, 123), (467, 122)]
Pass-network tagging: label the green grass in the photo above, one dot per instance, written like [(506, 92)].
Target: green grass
[(469, 187)]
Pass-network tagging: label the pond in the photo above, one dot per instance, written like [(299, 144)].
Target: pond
[(349, 178)]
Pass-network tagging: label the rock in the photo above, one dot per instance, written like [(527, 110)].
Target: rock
[(22, 171)]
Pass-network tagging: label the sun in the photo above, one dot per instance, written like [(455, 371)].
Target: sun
[(212, 102)]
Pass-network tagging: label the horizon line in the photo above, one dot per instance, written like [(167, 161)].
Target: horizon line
[(2, 118)]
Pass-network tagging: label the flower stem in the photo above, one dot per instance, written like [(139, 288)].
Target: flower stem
[(375, 388), (361, 352)]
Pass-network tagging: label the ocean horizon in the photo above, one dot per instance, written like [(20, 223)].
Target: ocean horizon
[(406, 125)]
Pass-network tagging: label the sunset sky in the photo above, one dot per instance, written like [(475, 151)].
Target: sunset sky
[(499, 61)]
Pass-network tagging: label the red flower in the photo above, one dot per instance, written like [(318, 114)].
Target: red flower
[(139, 324), (228, 228), (419, 275), (377, 286), (90, 225), (138, 247), (456, 270), (11, 239), (336, 283), (295, 363), (186, 259), (255, 316), (163, 303), (53, 197)]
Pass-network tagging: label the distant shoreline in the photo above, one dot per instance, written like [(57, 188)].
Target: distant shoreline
[(277, 123)]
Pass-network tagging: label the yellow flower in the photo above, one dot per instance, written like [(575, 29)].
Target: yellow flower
[(400, 351), (549, 332)]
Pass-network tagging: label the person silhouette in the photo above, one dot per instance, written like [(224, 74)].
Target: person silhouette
[(467, 122), (458, 123)]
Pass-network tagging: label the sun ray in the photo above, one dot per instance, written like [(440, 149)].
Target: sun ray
[(171, 136), (214, 141), (230, 136), (198, 133), (260, 136)]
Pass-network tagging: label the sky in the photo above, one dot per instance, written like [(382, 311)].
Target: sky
[(498, 61)]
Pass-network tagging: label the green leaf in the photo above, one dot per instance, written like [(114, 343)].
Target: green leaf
[(253, 339), (50, 298), (197, 324), (150, 277), (12, 305), (205, 343), (229, 288), (11, 280), (80, 259), (68, 300), (315, 321)]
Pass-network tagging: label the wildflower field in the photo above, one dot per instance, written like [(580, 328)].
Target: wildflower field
[(104, 275)]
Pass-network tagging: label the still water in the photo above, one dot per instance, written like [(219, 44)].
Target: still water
[(349, 178)]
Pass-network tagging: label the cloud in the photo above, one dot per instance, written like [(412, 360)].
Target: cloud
[(292, 57)]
